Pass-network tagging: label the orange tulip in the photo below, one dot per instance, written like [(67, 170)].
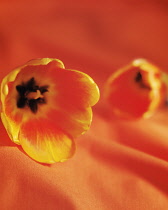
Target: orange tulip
[(45, 107), (136, 90)]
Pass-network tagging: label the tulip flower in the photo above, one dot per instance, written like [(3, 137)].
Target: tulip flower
[(135, 91), (45, 107)]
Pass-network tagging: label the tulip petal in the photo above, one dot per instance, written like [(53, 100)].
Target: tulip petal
[(137, 90), (76, 88), (45, 142), (77, 93), (71, 95), (44, 107), (74, 122), (45, 61), (11, 115)]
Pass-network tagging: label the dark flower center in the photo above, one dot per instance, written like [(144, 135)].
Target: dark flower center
[(31, 95), (140, 81), (138, 77)]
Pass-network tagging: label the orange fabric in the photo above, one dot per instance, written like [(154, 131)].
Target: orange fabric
[(118, 164)]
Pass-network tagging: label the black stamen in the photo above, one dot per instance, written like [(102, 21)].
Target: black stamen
[(43, 89), (141, 83), (21, 89), (40, 101), (138, 77), (24, 89), (33, 105), (21, 103), (31, 85)]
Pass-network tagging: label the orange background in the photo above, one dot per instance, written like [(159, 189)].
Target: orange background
[(119, 165)]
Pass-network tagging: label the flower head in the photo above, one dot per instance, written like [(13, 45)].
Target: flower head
[(45, 106), (136, 90)]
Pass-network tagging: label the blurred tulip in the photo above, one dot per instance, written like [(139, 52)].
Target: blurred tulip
[(137, 90), (44, 107)]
